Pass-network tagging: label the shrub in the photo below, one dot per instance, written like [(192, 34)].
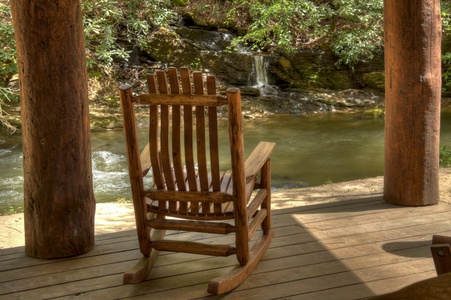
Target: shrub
[(109, 23), (8, 57), (445, 156), (446, 57), (353, 29)]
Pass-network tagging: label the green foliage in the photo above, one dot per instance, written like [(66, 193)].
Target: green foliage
[(12, 96), (124, 200), (11, 210), (357, 31), (445, 157), (195, 64), (281, 24), (8, 57), (354, 29), (446, 16), (446, 57), (179, 2), (446, 72), (107, 22), (8, 63)]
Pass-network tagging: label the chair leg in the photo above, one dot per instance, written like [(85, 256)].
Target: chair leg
[(140, 271), (237, 275), (441, 253)]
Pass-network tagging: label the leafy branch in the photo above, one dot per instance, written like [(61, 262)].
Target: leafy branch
[(5, 93)]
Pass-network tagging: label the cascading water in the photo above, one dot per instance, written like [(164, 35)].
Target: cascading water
[(261, 78)]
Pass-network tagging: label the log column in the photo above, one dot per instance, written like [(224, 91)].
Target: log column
[(412, 100), (59, 203)]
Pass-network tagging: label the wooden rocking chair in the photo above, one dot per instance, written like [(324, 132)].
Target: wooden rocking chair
[(190, 192)]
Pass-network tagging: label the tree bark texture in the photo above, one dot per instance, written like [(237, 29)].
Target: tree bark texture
[(412, 101), (59, 203)]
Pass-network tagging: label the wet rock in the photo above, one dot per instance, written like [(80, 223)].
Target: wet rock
[(316, 68), (298, 101)]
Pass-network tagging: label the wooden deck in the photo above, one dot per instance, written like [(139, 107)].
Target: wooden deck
[(330, 248)]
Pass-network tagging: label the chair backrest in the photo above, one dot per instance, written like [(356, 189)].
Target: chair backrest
[(194, 130), (183, 146)]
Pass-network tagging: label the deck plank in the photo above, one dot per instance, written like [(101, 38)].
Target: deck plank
[(345, 249)]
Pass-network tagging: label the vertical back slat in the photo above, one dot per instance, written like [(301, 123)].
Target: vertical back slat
[(213, 136), (153, 135), (186, 81), (201, 140), (164, 138), (214, 148), (151, 84), (188, 136), (176, 136), (188, 131)]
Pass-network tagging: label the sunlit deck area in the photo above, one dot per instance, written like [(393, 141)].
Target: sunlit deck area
[(326, 247)]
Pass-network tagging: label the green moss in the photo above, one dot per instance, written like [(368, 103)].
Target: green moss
[(338, 80), (103, 123), (284, 64), (375, 80), (445, 156), (180, 2), (113, 101), (330, 102), (10, 210), (374, 113)]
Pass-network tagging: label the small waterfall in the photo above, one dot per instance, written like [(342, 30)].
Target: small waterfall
[(261, 78)]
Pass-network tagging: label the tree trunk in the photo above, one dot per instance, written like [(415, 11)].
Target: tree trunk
[(412, 101), (59, 203)]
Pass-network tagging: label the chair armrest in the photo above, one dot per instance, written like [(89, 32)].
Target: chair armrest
[(257, 159), (145, 160)]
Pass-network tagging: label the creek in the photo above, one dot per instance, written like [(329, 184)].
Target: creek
[(311, 150)]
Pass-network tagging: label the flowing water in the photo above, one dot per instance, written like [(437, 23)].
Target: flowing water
[(311, 150), (261, 76)]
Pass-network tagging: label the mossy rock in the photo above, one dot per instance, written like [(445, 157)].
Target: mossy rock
[(167, 46), (337, 80), (374, 113), (284, 63), (310, 68), (250, 91), (214, 14), (375, 80), (104, 123), (324, 79), (233, 68)]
